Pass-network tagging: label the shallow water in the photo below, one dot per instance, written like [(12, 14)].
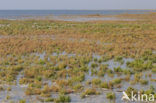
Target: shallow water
[(14, 14), (17, 91), (85, 19)]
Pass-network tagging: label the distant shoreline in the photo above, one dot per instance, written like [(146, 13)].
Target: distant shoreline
[(75, 9)]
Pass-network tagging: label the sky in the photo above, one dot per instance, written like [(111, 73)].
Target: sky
[(76, 4)]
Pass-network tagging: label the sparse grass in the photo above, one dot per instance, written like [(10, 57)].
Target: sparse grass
[(118, 70), (96, 81), (78, 87), (137, 77), (63, 99), (90, 91), (144, 82), (104, 85), (116, 81), (93, 65), (49, 99), (110, 96), (119, 59), (22, 101), (32, 91)]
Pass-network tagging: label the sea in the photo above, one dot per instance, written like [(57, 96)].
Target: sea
[(12, 14)]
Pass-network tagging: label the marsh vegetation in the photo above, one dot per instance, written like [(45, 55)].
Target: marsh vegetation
[(58, 61)]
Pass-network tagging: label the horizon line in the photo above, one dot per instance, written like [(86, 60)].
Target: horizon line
[(78, 9)]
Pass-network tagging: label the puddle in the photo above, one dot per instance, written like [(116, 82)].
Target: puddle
[(113, 64)]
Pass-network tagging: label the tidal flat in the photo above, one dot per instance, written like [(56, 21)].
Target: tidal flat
[(57, 60)]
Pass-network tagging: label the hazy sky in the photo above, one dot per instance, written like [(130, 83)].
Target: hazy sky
[(77, 4)]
